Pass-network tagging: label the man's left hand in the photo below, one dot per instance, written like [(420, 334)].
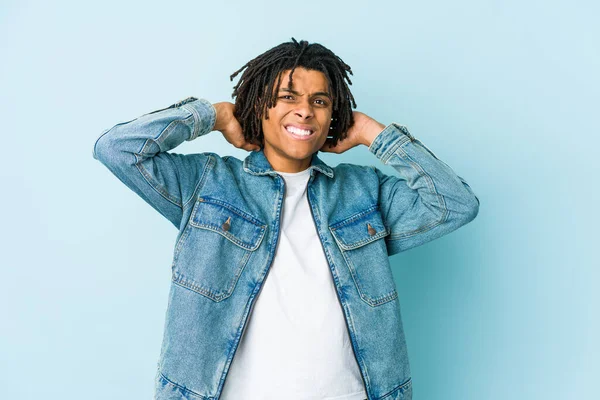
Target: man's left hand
[(363, 131)]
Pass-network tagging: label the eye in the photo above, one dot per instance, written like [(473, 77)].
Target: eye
[(322, 102), (287, 95)]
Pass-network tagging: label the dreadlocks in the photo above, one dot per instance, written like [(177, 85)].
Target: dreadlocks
[(255, 95)]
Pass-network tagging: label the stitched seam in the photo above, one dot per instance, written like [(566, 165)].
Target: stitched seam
[(179, 245), (190, 284), (431, 185), (212, 118), (104, 132), (158, 189), (393, 148), (233, 209), (229, 236), (367, 377), (373, 302), (182, 280), (336, 279), (209, 163), (360, 243), (183, 389), (196, 116), (354, 217), (138, 163), (421, 172), (234, 239), (236, 343), (348, 221), (404, 385), (378, 142), (165, 132), (186, 228)]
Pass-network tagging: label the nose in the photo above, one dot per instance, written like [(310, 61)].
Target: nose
[(304, 109)]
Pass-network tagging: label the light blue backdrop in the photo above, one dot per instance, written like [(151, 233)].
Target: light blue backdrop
[(504, 92)]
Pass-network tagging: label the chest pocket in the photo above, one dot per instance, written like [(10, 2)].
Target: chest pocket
[(216, 245), (361, 241)]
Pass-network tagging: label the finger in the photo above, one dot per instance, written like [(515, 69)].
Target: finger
[(241, 143), (250, 147), (338, 148), (327, 146)]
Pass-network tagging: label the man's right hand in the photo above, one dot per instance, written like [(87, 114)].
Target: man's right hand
[(229, 126)]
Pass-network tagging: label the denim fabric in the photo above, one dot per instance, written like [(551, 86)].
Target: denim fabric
[(227, 212)]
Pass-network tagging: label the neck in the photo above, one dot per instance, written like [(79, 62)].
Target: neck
[(282, 164)]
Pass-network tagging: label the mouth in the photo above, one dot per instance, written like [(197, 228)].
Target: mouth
[(299, 132)]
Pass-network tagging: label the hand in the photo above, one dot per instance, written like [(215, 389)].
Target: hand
[(230, 127), (363, 131)]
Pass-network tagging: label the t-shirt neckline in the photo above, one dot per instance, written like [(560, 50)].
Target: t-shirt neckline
[(292, 174)]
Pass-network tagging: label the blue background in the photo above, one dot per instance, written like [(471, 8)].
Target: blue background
[(503, 91)]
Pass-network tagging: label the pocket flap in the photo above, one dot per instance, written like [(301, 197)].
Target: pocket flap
[(234, 224), (359, 229)]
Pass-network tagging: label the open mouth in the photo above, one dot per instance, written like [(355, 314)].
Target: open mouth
[(298, 133)]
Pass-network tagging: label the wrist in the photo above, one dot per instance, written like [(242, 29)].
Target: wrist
[(371, 131), (222, 118)]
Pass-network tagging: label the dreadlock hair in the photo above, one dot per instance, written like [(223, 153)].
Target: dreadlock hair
[(254, 93)]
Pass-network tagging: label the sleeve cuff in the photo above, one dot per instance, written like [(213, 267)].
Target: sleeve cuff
[(387, 141), (205, 117)]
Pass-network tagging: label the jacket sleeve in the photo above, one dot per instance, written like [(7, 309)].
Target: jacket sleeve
[(136, 152), (427, 200)]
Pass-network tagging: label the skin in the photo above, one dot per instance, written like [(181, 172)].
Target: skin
[(304, 107)]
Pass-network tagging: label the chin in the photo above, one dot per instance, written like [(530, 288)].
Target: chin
[(301, 154)]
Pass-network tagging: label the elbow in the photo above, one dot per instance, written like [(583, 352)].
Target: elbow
[(469, 202), (100, 148), (105, 151), (464, 211), (472, 209), (108, 149)]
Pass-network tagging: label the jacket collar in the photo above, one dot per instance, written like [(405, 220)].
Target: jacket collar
[(256, 163)]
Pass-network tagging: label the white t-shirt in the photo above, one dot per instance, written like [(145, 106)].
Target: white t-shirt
[(296, 344)]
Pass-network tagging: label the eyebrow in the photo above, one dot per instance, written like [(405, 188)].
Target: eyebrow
[(298, 94)]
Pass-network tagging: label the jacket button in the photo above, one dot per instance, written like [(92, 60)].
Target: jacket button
[(371, 230), (226, 224)]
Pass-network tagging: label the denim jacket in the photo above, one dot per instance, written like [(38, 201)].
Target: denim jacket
[(227, 212)]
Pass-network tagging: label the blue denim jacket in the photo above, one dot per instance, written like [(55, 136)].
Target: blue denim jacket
[(228, 215)]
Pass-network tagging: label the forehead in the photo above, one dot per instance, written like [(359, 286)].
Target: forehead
[(304, 80)]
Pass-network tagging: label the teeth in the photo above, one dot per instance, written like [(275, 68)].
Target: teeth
[(297, 131)]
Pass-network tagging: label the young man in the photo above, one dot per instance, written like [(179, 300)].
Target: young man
[(312, 240)]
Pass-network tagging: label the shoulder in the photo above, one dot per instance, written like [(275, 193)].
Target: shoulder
[(358, 176), (355, 170), (216, 158), (223, 163), (207, 161)]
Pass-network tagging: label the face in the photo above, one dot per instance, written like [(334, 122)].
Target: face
[(299, 124)]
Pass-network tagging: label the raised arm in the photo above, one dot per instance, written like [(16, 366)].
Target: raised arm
[(136, 152), (427, 200)]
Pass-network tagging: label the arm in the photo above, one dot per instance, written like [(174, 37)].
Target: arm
[(136, 152), (427, 200)]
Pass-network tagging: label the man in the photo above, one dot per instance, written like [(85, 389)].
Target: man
[(312, 240)]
